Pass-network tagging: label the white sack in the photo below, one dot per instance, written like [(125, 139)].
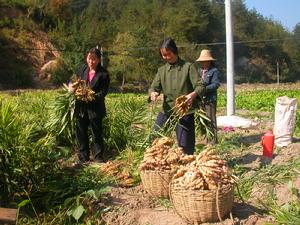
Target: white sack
[(285, 119)]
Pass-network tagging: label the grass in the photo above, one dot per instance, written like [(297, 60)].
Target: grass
[(287, 214), (266, 175), (164, 202)]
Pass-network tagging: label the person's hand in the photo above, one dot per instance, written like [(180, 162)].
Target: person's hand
[(154, 95), (70, 87), (190, 98)]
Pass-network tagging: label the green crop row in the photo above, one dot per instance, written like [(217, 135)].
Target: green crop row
[(262, 100)]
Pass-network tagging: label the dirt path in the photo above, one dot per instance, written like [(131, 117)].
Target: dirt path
[(132, 206)]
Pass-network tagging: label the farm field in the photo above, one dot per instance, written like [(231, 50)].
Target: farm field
[(37, 148)]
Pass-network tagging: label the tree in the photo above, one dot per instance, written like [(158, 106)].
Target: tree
[(123, 63), (186, 21)]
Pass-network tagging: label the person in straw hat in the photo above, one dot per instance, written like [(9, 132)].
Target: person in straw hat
[(174, 79), (210, 76)]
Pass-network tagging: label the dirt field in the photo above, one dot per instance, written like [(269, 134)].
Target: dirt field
[(133, 206)]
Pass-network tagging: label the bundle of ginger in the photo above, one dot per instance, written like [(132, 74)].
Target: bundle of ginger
[(163, 155), (207, 172), (181, 106), (82, 91)]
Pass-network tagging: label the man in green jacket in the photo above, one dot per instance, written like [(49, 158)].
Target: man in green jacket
[(176, 78)]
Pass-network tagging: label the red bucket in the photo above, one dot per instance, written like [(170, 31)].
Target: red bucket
[(267, 141)]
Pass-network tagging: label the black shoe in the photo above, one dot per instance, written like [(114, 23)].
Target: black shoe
[(79, 164), (98, 160), (99, 157)]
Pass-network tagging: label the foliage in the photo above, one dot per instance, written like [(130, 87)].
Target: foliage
[(201, 124), (61, 121), (22, 161), (263, 100), (70, 199), (130, 43), (13, 76), (37, 171), (297, 125), (125, 123), (289, 212), (123, 64), (132, 158), (61, 73), (271, 175)]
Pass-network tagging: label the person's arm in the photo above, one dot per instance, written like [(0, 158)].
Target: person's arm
[(102, 90), (156, 87), (215, 82), (197, 83)]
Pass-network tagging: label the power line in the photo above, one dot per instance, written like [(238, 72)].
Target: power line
[(241, 42), (152, 47)]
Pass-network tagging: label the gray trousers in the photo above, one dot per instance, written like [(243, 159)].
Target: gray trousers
[(211, 110)]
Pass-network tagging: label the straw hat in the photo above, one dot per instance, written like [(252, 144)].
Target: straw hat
[(205, 55)]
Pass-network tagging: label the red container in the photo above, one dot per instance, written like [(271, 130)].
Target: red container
[(267, 141)]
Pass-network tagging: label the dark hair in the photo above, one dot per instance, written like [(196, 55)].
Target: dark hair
[(168, 44), (95, 51)]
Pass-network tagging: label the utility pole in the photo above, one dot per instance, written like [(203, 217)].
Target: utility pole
[(230, 119), (102, 56), (229, 60), (277, 71)]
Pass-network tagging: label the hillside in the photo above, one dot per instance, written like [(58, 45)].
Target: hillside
[(24, 50), (264, 51)]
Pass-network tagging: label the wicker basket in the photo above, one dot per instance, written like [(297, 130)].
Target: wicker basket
[(200, 206), (156, 183)]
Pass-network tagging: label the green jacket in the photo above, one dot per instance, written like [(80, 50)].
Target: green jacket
[(176, 80)]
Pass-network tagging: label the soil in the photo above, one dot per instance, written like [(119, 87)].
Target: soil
[(133, 206)]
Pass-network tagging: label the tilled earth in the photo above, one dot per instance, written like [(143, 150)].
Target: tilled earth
[(133, 206)]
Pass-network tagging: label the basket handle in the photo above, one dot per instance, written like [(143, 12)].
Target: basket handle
[(170, 196), (217, 203)]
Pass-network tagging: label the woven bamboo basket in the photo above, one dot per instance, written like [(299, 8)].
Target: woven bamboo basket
[(156, 183), (201, 206)]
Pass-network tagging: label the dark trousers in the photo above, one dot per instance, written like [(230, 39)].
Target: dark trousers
[(211, 110), (185, 131), (82, 126)]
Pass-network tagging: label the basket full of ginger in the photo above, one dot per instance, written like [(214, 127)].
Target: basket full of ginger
[(160, 163), (202, 191)]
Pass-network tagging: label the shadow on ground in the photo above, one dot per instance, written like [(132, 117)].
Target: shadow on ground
[(244, 210), (251, 139)]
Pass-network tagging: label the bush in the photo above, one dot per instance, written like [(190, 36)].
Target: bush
[(61, 74), (23, 163), (20, 77)]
